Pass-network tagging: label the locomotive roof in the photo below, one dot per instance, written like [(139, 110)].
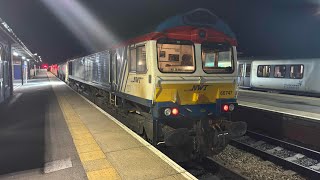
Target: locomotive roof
[(198, 18), (189, 26)]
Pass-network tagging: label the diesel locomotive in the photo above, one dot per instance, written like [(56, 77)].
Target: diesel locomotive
[(176, 84)]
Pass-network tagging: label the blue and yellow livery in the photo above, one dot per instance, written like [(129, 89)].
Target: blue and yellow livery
[(176, 84)]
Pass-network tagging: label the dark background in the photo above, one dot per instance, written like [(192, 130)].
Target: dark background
[(273, 28)]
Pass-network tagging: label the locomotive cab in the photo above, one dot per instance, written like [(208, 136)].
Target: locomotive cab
[(195, 94)]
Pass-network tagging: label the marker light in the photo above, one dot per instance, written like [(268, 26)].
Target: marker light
[(225, 107), (175, 111), (167, 112), (231, 107)]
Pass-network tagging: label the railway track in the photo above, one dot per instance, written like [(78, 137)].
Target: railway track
[(209, 168), (297, 158)]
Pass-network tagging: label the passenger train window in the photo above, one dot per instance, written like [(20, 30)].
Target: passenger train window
[(174, 57), (138, 59), (279, 71), (240, 70), (296, 71), (248, 70), (263, 71)]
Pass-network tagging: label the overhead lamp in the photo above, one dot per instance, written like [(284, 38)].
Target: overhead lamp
[(15, 53), (35, 54), (23, 57), (28, 59)]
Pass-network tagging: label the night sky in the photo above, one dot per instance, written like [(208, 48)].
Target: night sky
[(269, 28)]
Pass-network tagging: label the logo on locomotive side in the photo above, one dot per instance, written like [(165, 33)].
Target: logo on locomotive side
[(200, 87)]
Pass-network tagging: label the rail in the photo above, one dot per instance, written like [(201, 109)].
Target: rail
[(210, 168), (297, 158)]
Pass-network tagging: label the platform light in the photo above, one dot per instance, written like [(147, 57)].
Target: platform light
[(28, 59), (23, 57), (15, 53), (35, 54)]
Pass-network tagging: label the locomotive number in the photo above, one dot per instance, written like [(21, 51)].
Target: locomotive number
[(224, 93), (137, 79)]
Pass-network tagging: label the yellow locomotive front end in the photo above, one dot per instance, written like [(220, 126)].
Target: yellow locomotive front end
[(195, 92)]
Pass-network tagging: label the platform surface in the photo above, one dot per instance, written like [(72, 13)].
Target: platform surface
[(48, 131), (308, 107)]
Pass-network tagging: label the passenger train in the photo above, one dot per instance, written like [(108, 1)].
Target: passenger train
[(284, 75), (178, 82)]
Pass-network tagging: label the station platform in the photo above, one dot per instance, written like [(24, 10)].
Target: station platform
[(48, 131), (305, 107)]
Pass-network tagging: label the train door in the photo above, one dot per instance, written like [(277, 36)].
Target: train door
[(247, 74), (240, 75)]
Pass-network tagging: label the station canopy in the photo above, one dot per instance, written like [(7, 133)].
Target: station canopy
[(16, 44)]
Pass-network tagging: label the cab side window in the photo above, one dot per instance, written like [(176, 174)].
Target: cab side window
[(138, 58)]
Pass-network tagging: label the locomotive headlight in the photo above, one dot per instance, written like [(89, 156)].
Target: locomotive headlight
[(231, 107), (167, 111)]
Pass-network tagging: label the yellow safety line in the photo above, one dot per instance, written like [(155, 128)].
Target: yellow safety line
[(92, 157)]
